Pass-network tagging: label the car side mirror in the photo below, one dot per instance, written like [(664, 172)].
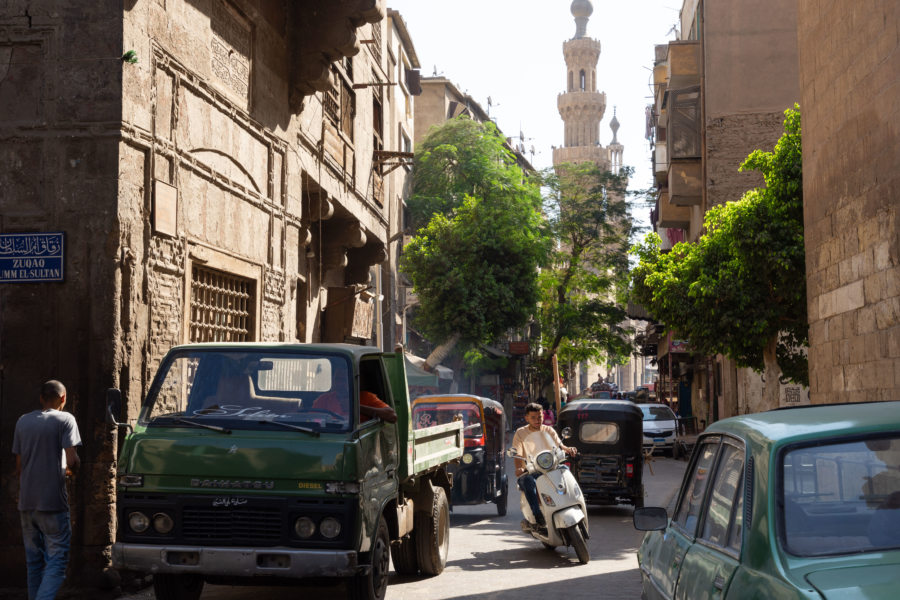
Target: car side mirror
[(113, 404), (650, 518)]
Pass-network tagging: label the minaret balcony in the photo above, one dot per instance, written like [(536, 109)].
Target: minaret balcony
[(576, 104)]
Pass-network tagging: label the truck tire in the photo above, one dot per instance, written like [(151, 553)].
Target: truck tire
[(433, 534), (373, 585), (503, 499), (403, 555), (639, 498), (169, 586), (577, 541)]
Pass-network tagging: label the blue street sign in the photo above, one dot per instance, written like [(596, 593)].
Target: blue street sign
[(32, 257)]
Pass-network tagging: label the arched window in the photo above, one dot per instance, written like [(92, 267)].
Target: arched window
[(571, 88), (582, 82)]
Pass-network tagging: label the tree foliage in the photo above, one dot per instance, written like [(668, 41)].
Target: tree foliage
[(474, 259), (581, 315), (741, 289)]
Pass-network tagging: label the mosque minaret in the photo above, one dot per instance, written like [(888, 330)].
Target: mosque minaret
[(582, 106)]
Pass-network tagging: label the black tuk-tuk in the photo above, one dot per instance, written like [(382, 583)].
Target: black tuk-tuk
[(608, 435), (481, 475)]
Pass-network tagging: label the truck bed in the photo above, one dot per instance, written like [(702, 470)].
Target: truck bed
[(434, 446)]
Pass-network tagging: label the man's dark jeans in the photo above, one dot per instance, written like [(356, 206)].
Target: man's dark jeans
[(528, 485)]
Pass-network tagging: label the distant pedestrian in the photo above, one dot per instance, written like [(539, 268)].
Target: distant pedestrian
[(44, 444)]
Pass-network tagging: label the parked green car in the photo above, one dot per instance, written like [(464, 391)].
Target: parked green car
[(787, 504)]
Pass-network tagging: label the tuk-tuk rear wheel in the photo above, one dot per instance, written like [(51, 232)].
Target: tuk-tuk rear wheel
[(502, 500)]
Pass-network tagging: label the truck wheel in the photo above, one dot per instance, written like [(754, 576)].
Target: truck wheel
[(433, 535), (373, 585), (579, 544), (502, 500), (639, 498), (168, 586), (403, 555)]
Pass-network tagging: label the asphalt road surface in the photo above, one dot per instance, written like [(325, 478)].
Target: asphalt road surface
[(491, 559)]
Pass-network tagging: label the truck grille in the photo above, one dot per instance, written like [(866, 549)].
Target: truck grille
[(232, 525)]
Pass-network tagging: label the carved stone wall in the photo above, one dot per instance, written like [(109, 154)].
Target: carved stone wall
[(188, 156)]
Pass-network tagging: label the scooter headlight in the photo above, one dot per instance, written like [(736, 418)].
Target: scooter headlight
[(545, 460)]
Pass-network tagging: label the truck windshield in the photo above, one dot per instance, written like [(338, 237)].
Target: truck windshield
[(842, 498), (244, 390)]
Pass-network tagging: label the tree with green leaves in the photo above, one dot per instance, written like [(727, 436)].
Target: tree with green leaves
[(740, 290), (479, 238), (581, 314)]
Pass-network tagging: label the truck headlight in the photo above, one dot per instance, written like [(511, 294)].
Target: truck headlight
[(330, 528), (131, 480), (304, 527), (163, 523), (138, 522)]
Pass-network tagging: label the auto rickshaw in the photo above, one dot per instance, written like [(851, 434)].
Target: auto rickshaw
[(608, 435), (481, 475)]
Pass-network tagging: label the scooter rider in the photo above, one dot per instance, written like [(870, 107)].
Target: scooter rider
[(534, 416)]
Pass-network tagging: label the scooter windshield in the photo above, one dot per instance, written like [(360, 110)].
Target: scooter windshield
[(537, 442)]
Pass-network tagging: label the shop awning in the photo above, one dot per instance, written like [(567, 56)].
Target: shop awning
[(417, 375)]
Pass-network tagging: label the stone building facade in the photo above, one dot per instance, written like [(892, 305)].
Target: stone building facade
[(218, 170), (720, 91), (851, 197)]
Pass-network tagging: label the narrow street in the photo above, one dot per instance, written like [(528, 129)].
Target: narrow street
[(490, 557)]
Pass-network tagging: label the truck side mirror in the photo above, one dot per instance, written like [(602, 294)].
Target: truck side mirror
[(113, 404)]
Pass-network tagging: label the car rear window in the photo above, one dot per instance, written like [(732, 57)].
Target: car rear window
[(599, 433), (842, 498)]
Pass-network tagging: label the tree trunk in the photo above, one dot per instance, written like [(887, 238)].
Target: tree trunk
[(440, 353), (772, 384)]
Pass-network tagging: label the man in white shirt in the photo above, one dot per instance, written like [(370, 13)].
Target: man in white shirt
[(534, 416)]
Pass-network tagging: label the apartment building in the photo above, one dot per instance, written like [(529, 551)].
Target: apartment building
[(719, 92)]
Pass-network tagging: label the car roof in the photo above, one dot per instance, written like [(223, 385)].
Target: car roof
[(798, 424), (356, 350)]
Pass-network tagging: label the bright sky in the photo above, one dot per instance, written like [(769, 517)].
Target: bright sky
[(511, 50)]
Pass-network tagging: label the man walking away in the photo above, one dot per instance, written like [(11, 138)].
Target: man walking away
[(44, 444)]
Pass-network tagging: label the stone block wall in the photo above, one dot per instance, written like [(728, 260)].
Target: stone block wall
[(850, 80), (729, 140)]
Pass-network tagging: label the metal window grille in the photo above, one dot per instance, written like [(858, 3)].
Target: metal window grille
[(221, 306)]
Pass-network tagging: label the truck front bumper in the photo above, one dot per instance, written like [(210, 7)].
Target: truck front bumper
[(236, 562)]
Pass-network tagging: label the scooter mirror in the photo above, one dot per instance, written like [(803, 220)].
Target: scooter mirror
[(512, 452)]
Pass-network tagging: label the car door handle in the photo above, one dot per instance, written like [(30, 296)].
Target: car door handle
[(719, 582)]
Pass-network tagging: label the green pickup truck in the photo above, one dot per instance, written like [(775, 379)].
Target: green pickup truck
[(262, 464)]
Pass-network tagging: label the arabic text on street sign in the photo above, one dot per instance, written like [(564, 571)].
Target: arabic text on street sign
[(32, 257)]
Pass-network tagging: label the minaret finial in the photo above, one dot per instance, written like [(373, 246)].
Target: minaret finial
[(581, 10), (614, 125)]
